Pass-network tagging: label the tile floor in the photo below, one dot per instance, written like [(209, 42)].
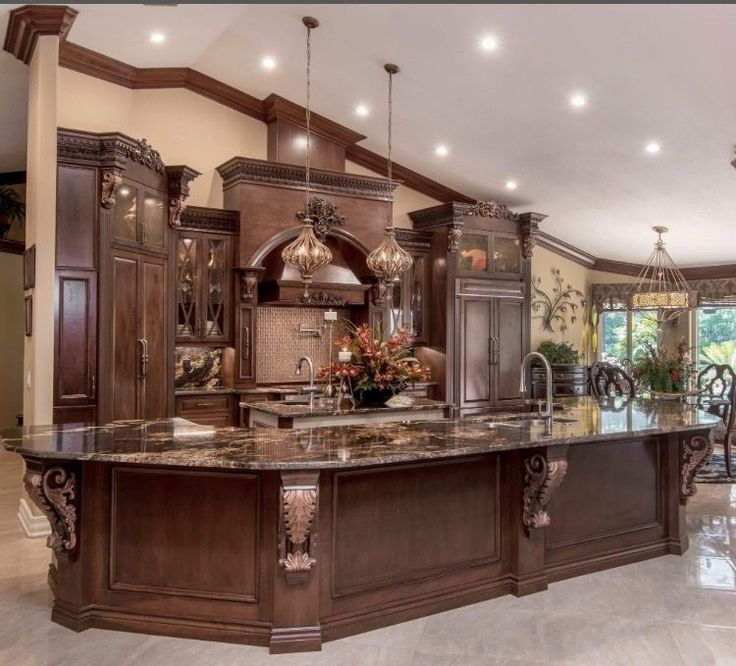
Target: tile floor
[(672, 610)]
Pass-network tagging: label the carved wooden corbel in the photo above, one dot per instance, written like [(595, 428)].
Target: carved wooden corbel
[(248, 283), (454, 235), (695, 452), (110, 182), (56, 493), (297, 525), (379, 293), (179, 178), (541, 479), (529, 226)]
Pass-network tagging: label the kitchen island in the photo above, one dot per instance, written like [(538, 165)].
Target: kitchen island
[(287, 538)]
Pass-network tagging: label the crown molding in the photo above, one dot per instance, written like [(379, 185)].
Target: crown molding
[(412, 179), (210, 219), (276, 107), (565, 250), (262, 172), (26, 24)]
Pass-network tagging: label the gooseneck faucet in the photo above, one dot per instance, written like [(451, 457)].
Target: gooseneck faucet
[(547, 413), (311, 389)]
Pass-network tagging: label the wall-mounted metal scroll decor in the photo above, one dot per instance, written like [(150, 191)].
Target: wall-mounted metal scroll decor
[(559, 307)]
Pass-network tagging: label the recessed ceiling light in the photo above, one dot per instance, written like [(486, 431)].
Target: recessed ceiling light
[(267, 62), (157, 38), (362, 110), (301, 142), (511, 185), (652, 147), (488, 43), (441, 151), (578, 101)]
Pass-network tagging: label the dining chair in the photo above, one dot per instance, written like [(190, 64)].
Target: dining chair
[(717, 385), (606, 377)]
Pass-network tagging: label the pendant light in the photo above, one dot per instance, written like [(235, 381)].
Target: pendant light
[(388, 261), (307, 253), (661, 285)]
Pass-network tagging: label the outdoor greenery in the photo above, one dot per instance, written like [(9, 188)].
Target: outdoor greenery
[(644, 331), (717, 336), (559, 353)]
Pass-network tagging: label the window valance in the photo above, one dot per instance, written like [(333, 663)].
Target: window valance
[(711, 293)]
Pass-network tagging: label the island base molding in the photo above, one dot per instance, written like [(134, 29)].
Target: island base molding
[(290, 558)]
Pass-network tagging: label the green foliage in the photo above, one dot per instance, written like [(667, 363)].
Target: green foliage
[(722, 353), (644, 331), (660, 371), (12, 209), (559, 353)]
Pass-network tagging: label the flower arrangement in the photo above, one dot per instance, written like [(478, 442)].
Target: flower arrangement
[(662, 372), (377, 367)]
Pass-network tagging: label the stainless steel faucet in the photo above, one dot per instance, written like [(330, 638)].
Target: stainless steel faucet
[(311, 389), (547, 413)]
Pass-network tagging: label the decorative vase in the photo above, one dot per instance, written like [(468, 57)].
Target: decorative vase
[(374, 397)]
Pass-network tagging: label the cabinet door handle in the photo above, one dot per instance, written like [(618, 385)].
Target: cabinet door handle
[(246, 351), (204, 404), (92, 387), (143, 358), (497, 350), (490, 350)]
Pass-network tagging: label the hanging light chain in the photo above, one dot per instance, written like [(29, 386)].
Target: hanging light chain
[(390, 124), (309, 112)]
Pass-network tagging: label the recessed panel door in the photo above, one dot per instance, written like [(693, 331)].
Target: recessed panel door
[(125, 348), (475, 354)]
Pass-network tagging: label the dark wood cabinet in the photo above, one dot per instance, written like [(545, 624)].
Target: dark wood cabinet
[(114, 320), (478, 316), (75, 345), (208, 409), (490, 351), (246, 343), (567, 380), (203, 287)]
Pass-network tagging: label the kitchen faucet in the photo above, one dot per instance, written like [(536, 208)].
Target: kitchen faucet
[(547, 413), (311, 389)]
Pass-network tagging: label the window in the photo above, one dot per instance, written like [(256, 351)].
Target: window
[(716, 336), (626, 336)]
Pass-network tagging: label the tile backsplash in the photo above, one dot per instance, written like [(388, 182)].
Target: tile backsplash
[(197, 366), (280, 344)]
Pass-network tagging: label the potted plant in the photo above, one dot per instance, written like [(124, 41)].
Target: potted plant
[(559, 353), (661, 373), (378, 368), (12, 209)]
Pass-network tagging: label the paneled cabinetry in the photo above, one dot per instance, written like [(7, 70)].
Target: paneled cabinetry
[(114, 324), (478, 306)]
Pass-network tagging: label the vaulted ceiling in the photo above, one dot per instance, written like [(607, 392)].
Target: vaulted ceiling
[(659, 73)]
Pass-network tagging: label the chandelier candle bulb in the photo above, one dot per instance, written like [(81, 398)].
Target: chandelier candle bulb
[(344, 356)]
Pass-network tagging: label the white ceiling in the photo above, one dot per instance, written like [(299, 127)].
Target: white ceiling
[(662, 72)]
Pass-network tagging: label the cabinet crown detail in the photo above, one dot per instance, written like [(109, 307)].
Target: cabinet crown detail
[(200, 218), (109, 149), (244, 170)]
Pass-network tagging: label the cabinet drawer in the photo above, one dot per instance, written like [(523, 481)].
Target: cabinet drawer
[(220, 420), (199, 403)]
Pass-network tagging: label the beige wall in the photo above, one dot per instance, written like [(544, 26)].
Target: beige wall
[(183, 126), (11, 337), (578, 277), (405, 199)]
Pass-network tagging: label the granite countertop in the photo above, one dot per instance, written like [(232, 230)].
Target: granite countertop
[(291, 409), (182, 443)]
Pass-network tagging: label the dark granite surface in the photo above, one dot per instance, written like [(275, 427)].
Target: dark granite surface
[(182, 443), (290, 409)]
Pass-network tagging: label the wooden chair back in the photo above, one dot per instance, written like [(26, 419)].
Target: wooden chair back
[(605, 377)]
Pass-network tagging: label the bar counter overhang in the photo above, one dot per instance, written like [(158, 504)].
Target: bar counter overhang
[(288, 538)]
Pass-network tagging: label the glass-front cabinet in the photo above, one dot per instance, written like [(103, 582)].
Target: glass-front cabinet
[(203, 269), (409, 307), (139, 218), (489, 253)]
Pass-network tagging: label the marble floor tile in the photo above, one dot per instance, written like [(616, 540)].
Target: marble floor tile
[(671, 611)]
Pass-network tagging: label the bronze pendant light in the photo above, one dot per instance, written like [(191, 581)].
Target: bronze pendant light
[(307, 253), (388, 261)]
